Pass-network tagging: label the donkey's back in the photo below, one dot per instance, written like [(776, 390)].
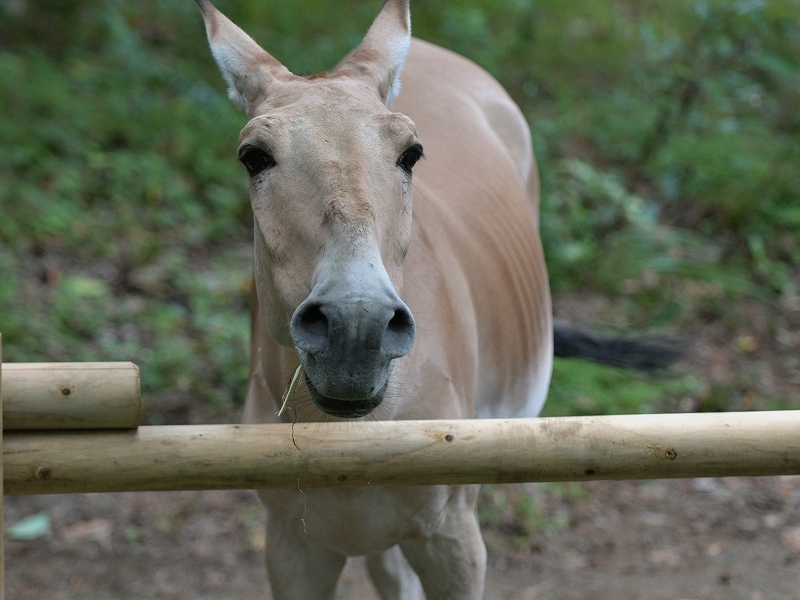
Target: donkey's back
[(475, 275)]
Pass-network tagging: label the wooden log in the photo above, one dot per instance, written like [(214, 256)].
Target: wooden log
[(102, 395), (404, 452)]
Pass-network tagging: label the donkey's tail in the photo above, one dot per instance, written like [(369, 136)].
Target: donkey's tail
[(648, 353)]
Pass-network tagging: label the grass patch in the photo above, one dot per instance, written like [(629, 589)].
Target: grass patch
[(583, 388)]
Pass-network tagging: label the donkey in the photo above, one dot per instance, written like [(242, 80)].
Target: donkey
[(380, 314)]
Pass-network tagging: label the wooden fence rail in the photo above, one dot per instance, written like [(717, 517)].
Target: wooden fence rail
[(403, 452)]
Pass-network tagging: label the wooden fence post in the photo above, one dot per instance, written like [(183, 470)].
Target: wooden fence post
[(2, 529)]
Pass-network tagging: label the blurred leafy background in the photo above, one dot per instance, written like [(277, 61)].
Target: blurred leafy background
[(667, 135)]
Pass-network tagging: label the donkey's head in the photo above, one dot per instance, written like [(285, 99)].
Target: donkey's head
[(330, 185)]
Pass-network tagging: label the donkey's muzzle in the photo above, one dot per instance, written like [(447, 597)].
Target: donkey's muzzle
[(348, 346)]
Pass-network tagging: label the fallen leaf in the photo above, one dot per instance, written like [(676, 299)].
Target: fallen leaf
[(574, 561), (30, 528), (773, 520), (96, 530), (790, 536), (668, 558), (530, 593), (714, 549)]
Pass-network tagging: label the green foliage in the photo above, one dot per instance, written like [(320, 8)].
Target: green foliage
[(521, 514), (690, 102), (518, 513), (600, 235), (123, 157), (667, 135), (584, 388), (101, 148)]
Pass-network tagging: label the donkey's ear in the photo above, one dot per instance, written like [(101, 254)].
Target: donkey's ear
[(381, 55), (246, 67)]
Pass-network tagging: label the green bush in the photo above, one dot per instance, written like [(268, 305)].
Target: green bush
[(667, 134)]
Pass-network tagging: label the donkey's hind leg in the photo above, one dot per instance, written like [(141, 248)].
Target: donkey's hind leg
[(393, 576)]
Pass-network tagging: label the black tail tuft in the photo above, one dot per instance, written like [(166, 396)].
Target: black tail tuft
[(649, 354)]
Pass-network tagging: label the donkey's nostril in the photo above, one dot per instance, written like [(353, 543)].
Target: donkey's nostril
[(310, 329), (353, 330), (400, 333)]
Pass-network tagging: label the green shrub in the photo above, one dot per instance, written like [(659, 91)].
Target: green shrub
[(667, 136)]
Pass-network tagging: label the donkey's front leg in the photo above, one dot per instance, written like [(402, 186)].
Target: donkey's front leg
[(298, 571), (451, 560), (392, 576)]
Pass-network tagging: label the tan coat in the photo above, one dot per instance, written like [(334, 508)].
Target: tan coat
[(404, 296)]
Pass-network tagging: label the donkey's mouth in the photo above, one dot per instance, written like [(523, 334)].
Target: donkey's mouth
[(345, 409)]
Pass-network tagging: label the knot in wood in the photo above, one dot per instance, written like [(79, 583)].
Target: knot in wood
[(43, 473)]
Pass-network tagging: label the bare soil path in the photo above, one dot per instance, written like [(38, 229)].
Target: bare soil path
[(701, 539)]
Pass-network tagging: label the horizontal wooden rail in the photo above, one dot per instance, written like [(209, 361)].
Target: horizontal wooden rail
[(101, 395), (403, 452)]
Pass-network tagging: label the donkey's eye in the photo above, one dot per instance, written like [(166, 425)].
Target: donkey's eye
[(409, 158), (256, 160)]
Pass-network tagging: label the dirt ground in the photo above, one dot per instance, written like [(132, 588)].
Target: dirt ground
[(725, 539)]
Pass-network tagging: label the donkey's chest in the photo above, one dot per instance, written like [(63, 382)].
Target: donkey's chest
[(357, 521)]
